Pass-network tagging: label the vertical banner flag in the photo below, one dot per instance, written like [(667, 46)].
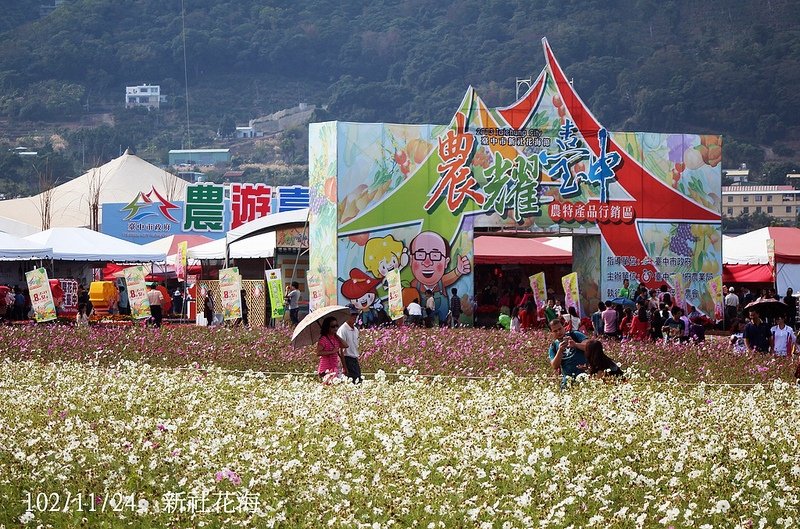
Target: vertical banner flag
[(571, 295), (316, 293), (180, 266), (230, 286), (771, 256), (275, 289), (41, 298), (137, 292), (69, 307), (395, 294), (715, 287), (680, 292), (539, 289)]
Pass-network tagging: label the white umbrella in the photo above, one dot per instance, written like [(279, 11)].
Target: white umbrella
[(308, 330)]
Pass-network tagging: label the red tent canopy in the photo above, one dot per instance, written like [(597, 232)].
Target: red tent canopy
[(746, 274), (491, 249)]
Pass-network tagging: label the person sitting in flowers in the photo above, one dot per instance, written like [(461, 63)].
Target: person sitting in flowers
[(330, 349), (566, 351), (598, 363)]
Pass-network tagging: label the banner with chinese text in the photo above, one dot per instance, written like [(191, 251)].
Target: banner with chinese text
[(206, 208), (275, 288), (539, 288), (572, 297), (316, 294), (180, 268), (137, 292), (395, 295), (41, 297), (407, 197), (230, 286)]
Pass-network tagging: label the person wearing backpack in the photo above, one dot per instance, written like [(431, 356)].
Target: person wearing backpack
[(566, 351)]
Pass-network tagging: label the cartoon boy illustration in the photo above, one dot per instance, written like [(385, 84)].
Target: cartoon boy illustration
[(384, 254), (360, 290)]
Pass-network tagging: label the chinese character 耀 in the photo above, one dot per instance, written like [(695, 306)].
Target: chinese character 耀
[(205, 208), (513, 185), (456, 181), (249, 202)]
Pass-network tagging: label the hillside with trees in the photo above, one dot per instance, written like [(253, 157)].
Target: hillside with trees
[(730, 68)]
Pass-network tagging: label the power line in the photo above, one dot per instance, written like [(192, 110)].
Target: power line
[(185, 73)]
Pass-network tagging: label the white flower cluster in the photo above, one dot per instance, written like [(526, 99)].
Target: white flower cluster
[(414, 452)]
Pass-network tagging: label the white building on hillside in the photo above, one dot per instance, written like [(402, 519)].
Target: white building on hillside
[(148, 96)]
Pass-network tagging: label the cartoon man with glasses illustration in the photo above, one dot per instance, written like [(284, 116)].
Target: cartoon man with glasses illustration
[(430, 256)]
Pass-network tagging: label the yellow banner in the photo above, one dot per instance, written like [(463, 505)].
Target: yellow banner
[(571, 295), (395, 294), (180, 267), (539, 289)]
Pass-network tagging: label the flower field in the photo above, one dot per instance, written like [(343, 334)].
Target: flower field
[(185, 428)]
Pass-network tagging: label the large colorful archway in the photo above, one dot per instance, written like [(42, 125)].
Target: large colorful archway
[(383, 196)]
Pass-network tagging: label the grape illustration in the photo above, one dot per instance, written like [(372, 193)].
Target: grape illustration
[(679, 243)]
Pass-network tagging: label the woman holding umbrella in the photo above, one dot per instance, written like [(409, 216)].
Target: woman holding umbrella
[(329, 349)]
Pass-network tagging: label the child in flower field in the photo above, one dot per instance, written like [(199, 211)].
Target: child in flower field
[(598, 363), (737, 337), (329, 349), (82, 318)]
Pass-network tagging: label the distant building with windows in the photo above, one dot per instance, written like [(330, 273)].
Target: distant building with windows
[(780, 202), (737, 176), (148, 96), (198, 156)]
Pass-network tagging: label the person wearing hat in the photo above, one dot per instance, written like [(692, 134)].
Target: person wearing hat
[(155, 298), (731, 306), (349, 335)]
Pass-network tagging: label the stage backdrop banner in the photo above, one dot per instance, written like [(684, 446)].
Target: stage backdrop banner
[(395, 295), (572, 297), (137, 292), (41, 297), (230, 286), (275, 288)]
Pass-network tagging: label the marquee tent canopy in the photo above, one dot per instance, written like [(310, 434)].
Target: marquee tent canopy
[(82, 244), (253, 247), (745, 258), (491, 249), (118, 180), (751, 248), (16, 249), (169, 245), (272, 222)]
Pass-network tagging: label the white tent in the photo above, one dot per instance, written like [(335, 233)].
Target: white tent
[(256, 247), (82, 244), (116, 181), (271, 222), (16, 249), (562, 243)]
